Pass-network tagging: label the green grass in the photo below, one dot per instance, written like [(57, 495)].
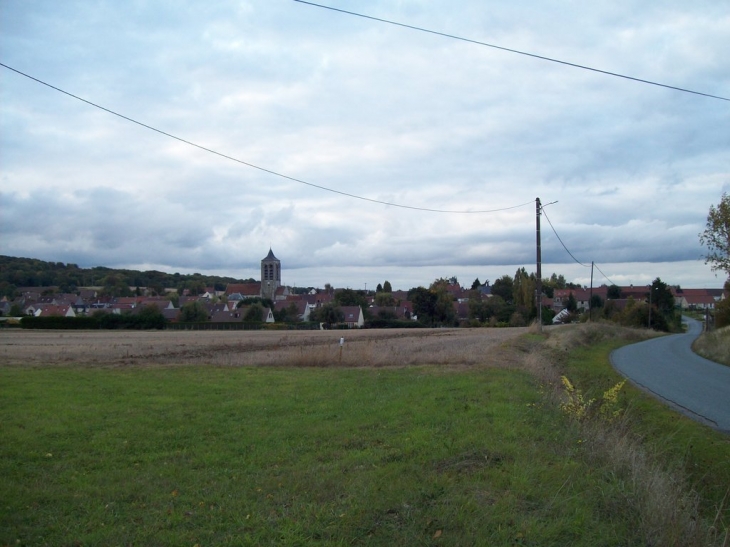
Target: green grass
[(327, 456), (248, 456), (699, 453), (714, 345)]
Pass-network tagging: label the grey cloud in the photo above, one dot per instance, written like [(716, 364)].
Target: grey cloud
[(361, 108)]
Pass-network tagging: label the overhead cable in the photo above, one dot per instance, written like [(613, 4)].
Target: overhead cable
[(571, 254), (518, 52), (265, 170), (603, 274), (542, 209)]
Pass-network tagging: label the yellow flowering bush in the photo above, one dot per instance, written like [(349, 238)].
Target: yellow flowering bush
[(577, 406)]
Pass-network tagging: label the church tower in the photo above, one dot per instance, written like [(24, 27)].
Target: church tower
[(270, 275)]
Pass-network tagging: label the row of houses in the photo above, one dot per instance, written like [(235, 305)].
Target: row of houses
[(221, 306), (225, 306), (685, 299)]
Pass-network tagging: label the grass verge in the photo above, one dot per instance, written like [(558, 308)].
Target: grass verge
[(676, 471), (714, 345)]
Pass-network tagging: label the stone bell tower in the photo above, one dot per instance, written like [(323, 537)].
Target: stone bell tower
[(270, 275)]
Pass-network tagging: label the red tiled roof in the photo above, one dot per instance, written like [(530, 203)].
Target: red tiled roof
[(47, 310), (245, 289)]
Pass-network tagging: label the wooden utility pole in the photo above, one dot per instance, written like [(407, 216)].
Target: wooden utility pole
[(649, 325), (590, 301), (538, 284)]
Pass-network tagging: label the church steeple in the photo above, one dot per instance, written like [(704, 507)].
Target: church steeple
[(270, 275)]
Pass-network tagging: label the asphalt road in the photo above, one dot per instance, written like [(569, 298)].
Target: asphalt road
[(667, 368)]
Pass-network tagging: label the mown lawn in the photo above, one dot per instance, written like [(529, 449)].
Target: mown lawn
[(262, 456)]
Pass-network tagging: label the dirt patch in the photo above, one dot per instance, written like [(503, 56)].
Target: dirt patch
[(382, 347)]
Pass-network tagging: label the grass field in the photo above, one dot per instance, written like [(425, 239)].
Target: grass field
[(459, 440)]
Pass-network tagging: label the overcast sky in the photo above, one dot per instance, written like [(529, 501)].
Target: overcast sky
[(369, 109)]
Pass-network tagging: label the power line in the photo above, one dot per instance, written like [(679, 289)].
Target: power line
[(603, 274), (269, 171), (542, 209), (518, 52), (571, 254)]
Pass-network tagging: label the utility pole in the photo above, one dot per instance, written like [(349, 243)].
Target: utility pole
[(590, 301), (649, 325), (538, 284)]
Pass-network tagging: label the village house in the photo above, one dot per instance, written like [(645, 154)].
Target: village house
[(354, 318), (53, 310), (698, 299)]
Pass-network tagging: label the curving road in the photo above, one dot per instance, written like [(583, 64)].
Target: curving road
[(667, 368)]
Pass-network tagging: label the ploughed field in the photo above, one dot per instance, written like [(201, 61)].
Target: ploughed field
[(374, 348)]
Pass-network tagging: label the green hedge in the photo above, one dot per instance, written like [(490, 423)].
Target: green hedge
[(144, 320), (379, 323), (206, 325), (58, 322)]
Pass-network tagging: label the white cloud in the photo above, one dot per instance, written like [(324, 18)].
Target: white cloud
[(369, 109)]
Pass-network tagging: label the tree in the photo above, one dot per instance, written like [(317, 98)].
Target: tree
[(477, 307), (613, 292), (193, 312), (379, 288), (265, 302), (195, 286), (387, 287), (150, 317), (424, 303), (174, 297), (435, 305), (443, 311), (523, 292), (722, 310), (7, 289), (384, 299), (115, 285), (716, 236), (387, 315), (557, 281), (503, 287), (328, 314), (661, 297), (547, 288), (351, 297), (662, 301), (554, 282), (476, 284), (254, 313), (290, 314)]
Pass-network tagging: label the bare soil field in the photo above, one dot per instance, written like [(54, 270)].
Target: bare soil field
[(374, 348)]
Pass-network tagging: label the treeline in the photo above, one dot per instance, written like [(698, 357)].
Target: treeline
[(68, 278)]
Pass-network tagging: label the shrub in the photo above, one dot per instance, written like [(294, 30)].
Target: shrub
[(722, 314), (59, 322), (580, 408)]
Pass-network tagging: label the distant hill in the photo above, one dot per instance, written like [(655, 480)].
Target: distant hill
[(30, 272)]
